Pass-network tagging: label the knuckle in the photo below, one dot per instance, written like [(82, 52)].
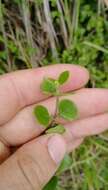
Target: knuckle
[(18, 88), (17, 91)]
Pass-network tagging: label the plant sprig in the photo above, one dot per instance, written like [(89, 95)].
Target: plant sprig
[(65, 108)]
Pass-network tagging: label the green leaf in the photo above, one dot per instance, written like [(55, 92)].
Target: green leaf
[(57, 129), (65, 164), (67, 109), (42, 115), (63, 77), (52, 185), (49, 86)]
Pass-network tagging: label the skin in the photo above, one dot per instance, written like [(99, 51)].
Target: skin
[(29, 159)]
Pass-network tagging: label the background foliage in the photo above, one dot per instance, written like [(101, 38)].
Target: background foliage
[(36, 33)]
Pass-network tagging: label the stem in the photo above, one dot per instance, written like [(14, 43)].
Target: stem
[(56, 110), (53, 122), (57, 102), (55, 114)]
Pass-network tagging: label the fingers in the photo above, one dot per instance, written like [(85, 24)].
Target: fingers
[(32, 166), (24, 126), (87, 127), (76, 131), (22, 88), (73, 144)]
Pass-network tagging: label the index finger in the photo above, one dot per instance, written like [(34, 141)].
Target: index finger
[(22, 88)]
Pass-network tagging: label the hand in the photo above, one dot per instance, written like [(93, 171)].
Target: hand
[(38, 156)]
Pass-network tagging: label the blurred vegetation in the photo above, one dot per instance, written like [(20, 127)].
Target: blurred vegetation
[(35, 33)]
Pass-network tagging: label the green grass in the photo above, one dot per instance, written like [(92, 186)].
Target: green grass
[(36, 33)]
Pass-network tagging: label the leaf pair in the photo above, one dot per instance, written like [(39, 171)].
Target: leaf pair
[(66, 110), (44, 119), (50, 86)]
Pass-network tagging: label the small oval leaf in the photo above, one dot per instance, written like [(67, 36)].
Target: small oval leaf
[(67, 109), (64, 76), (52, 184), (42, 115), (48, 86), (57, 129)]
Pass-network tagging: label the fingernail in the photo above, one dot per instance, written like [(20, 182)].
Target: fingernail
[(57, 148)]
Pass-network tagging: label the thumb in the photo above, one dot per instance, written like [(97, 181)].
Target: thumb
[(32, 166)]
